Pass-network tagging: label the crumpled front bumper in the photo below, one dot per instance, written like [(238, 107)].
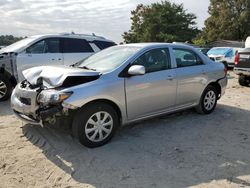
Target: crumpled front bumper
[(24, 105)]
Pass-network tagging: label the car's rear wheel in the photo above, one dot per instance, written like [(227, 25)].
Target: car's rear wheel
[(208, 101), (95, 124), (243, 80), (5, 88)]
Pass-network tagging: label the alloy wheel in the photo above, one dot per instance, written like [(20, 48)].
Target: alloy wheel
[(209, 100), (3, 89)]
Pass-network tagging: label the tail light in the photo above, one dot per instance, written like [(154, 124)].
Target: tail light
[(237, 58), (225, 70)]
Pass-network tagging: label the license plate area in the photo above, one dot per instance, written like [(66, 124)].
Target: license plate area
[(244, 56)]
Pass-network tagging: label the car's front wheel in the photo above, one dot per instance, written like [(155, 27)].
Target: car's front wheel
[(95, 124), (208, 101), (5, 88)]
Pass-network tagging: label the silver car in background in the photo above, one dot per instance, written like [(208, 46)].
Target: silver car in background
[(117, 86)]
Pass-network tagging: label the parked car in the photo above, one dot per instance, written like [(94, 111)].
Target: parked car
[(58, 49), (242, 66), (223, 55), (117, 86)]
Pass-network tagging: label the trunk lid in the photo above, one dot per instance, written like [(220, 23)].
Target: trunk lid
[(243, 59)]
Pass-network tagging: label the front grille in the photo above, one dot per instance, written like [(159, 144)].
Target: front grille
[(25, 101), (212, 58)]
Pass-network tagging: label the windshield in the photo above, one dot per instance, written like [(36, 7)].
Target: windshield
[(17, 45), (218, 51), (109, 59)]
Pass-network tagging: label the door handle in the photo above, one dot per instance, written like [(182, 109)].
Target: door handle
[(204, 72), (59, 59)]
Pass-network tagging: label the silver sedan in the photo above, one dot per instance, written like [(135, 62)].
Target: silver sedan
[(117, 86)]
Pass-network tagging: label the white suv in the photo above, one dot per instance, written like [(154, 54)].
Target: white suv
[(56, 49)]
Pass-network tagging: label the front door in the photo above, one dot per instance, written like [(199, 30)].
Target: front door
[(44, 52), (156, 90)]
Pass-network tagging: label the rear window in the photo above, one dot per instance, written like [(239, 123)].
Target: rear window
[(103, 44), (218, 51), (76, 46)]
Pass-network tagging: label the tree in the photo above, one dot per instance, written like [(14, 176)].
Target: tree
[(229, 19), (6, 40), (161, 22)]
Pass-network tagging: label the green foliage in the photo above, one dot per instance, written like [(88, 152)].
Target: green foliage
[(161, 22), (6, 40), (199, 41), (229, 20)]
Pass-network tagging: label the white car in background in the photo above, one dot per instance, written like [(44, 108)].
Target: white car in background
[(223, 55), (40, 50)]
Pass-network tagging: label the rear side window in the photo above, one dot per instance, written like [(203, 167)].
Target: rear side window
[(103, 44), (186, 58), (71, 45)]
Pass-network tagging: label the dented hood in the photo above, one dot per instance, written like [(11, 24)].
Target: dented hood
[(54, 76)]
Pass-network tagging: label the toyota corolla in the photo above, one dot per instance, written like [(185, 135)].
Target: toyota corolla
[(117, 86)]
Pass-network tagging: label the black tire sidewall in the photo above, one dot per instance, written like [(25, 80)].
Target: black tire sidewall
[(9, 87), (242, 80), (209, 88), (81, 118)]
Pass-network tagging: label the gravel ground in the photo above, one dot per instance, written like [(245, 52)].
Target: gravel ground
[(179, 150)]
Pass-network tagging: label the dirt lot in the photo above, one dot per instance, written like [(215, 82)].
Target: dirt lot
[(178, 150)]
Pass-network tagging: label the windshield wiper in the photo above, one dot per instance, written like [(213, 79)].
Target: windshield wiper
[(85, 67)]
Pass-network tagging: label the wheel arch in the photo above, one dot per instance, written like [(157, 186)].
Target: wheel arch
[(8, 75), (217, 86)]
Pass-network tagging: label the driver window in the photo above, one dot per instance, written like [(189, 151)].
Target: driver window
[(50, 45), (154, 60), (37, 48)]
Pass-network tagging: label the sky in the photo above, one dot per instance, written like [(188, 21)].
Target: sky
[(108, 18)]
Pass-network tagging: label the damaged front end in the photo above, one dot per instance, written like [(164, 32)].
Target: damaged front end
[(42, 102), (37, 105)]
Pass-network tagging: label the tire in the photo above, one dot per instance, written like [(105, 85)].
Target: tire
[(5, 88), (243, 80), (89, 134), (209, 96)]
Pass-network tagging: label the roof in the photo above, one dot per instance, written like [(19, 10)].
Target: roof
[(155, 44), (227, 43), (73, 35)]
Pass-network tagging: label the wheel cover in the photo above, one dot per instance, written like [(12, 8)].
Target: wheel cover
[(99, 126), (209, 100), (3, 89)]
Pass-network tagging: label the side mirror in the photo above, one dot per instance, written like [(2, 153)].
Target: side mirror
[(136, 70)]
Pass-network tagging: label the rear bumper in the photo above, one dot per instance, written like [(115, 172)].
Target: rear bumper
[(230, 64), (242, 71), (223, 85)]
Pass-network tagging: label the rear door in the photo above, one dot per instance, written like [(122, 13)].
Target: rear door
[(156, 90), (44, 52), (191, 76), (75, 50)]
